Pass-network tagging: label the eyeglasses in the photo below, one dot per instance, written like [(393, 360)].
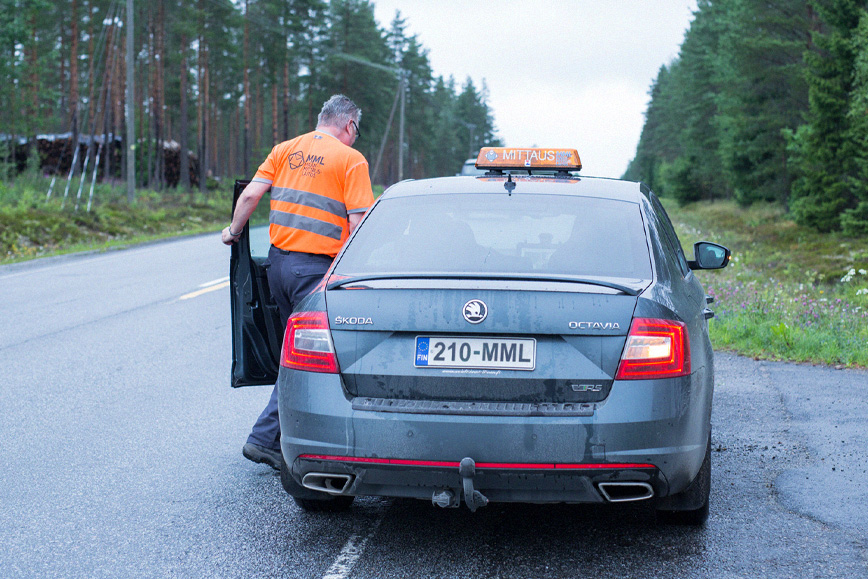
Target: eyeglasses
[(355, 126)]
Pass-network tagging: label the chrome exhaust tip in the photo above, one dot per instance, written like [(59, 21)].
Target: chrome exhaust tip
[(333, 484), (623, 492)]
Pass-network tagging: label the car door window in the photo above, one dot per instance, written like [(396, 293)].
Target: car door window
[(670, 237), (260, 242)]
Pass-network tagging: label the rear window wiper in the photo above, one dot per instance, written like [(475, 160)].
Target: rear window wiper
[(352, 280)]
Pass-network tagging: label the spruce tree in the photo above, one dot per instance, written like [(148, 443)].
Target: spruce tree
[(854, 221), (822, 150), (762, 92)]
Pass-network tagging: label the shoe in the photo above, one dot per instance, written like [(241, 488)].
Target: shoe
[(262, 455)]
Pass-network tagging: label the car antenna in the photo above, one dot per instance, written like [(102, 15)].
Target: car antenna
[(510, 184)]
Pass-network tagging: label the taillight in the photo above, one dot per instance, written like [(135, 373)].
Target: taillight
[(307, 344), (655, 349)]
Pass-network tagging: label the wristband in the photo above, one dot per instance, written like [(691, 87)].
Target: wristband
[(234, 234)]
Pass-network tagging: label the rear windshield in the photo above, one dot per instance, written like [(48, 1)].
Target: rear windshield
[(485, 233)]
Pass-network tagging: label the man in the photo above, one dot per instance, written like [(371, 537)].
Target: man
[(320, 189)]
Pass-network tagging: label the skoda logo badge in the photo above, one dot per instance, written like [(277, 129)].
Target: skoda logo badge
[(475, 311)]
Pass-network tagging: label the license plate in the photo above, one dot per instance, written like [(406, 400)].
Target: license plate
[(475, 353)]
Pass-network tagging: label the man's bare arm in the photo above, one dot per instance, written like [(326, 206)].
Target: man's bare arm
[(353, 219), (247, 202)]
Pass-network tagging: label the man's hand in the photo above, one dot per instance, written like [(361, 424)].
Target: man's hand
[(228, 238)]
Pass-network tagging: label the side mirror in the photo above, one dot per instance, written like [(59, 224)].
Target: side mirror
[(709, 256)]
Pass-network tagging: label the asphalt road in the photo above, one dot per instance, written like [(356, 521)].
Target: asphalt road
[(121, 457)]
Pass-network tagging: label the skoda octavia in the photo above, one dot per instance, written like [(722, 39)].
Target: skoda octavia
[(524, 335)]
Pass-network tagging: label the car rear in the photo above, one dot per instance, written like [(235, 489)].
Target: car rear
[(481, 342)]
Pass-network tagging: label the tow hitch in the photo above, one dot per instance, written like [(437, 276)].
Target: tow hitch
[(447, 498), (473, 498)]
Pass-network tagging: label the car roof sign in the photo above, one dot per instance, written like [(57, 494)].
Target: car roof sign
[(504, 158)]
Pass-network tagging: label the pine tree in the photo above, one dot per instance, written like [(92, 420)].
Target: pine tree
[(353, 31), (61, 63)]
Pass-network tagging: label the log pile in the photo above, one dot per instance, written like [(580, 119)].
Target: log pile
[(56, 155), (172, 165)]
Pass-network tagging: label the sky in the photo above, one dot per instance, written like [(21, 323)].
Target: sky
[(560, 73)]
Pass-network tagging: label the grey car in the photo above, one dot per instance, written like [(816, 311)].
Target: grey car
[(520, 336)]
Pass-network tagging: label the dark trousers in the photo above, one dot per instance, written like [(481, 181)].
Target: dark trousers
[(291, 276)]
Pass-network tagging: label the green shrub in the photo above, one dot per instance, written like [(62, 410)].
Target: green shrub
[(855, 221)]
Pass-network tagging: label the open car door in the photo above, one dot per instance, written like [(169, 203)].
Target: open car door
[(257, 333)]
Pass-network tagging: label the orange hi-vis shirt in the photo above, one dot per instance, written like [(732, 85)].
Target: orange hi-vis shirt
[(316, 182)]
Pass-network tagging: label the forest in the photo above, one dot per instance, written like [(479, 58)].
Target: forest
[(224, 80), (767, 101)]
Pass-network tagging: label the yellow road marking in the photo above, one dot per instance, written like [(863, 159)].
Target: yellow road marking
[(204, 291)]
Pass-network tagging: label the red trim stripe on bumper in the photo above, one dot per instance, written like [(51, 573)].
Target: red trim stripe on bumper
[(492, 465)]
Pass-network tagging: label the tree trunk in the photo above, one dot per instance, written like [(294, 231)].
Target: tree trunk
[(117, 87), (73, 79), (147, 92), (274, 125), (202, 103), (233, 130), (91, 81), (209, 126), (216, 148), (257, 127), (157, 75), (286, 99), (32, 109), (164, 130), (184, 163), (63, 44), (246, 138), (99, 118)]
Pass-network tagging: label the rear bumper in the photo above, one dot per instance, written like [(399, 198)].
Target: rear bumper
[(526, 483), (649, 432)]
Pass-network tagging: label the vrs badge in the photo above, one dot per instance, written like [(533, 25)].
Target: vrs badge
[(475, 311), (491, 156)]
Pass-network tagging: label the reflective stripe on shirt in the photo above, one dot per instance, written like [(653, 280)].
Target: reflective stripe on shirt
[(303, 223), (308, 199)]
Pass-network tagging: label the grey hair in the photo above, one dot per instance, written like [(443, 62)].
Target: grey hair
[(338, 111)]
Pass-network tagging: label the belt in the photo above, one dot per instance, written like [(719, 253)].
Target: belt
[(285, 252)]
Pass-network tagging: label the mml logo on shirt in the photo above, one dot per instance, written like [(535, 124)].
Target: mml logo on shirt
[(295, 160)]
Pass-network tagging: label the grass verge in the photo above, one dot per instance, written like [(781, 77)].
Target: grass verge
[(32, 224), (789, 293)]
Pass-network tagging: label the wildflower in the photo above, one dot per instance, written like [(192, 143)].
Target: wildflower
[(863, 291), (863, 272), (849, 275)]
